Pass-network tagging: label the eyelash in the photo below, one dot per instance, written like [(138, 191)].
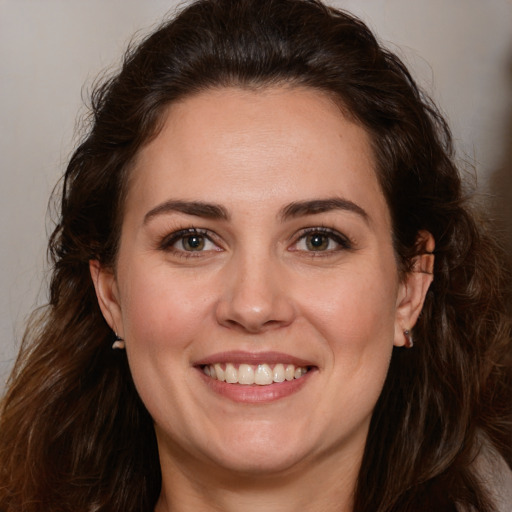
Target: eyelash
[(168, 242), (344, 242)]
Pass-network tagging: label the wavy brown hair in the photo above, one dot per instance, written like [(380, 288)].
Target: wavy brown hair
[(74, 435)]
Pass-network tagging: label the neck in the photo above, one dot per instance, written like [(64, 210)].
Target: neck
[(326, 484)]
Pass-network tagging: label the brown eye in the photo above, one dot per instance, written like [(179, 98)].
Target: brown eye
[(189, 241), (317, 242), (193, 242), (321, 240)]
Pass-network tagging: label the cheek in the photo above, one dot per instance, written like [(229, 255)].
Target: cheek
[(355, 315), (354, 309), (162, 310), (163, 317), (355, 318)]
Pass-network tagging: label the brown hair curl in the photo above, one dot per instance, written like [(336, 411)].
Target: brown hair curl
[(74, 433)]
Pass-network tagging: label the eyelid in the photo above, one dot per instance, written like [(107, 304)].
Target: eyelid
[(166, 244), (344, 241)]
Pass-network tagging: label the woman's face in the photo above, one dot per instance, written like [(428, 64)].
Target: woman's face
[(256, 241)]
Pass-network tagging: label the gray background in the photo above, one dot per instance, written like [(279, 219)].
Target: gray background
[(52, 50)]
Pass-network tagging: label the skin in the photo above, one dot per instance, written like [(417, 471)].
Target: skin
[(258, 286)]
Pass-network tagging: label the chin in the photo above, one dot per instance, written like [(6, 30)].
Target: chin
[(265, 451), (261, 461)]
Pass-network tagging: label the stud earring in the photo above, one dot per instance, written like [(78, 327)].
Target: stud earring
[(119, 344), (408, 339)]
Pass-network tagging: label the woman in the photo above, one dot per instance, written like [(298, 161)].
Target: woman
[(262, 221)]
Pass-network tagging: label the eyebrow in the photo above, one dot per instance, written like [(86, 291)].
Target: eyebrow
[(315, 206), (196, 208), (292, 210)]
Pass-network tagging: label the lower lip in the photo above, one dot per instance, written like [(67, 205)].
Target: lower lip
[(254, 394)]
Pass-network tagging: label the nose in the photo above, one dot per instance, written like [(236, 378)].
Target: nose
[(255, 296)]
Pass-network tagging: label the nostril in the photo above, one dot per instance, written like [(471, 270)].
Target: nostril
[(254, 326)]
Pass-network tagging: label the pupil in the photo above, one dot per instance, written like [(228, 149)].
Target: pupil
[(194, 242), (317, 242)]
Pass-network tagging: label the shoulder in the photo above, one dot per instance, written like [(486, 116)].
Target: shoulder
[(496, 476)]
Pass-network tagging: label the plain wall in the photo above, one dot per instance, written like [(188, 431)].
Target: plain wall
[(459, 50)]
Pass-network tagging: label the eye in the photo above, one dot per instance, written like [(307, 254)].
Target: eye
[(320, 240), (189, 241), (192, 242)]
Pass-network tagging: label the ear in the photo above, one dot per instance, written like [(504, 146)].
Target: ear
[(107, 294), (413, 289)]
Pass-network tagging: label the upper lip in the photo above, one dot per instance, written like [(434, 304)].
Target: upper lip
[(240, 357)]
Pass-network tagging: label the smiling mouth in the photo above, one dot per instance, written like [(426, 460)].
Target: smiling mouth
[(260, 374)]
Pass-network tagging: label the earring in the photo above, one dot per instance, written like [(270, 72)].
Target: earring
[(408, 339), (119, 344)]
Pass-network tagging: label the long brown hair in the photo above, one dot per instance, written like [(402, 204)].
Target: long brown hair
[(74, 435)]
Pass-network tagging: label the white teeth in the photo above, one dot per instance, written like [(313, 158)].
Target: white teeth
[(245, 374), (231, 374), (220, 372), (262, 374), (279, 373)]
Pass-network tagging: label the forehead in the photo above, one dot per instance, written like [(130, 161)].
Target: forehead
[(281, 143)]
